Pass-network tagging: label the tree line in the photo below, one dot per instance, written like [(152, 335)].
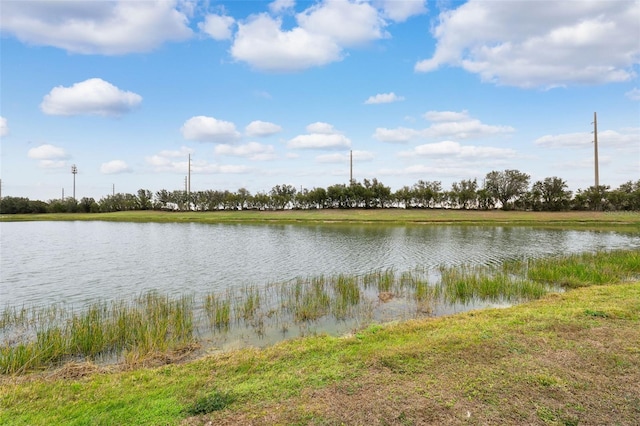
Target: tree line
[(507, 190)]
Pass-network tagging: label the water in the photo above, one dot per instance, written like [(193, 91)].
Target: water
[(75, 263)]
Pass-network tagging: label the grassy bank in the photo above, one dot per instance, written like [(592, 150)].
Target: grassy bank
[(629, 220), (569, 358)]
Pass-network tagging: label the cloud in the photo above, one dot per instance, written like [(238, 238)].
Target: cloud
[(47, 152), (253, 151), (446, 125), (217, 27), (624, 138), (319, 141), (323, 32), (454, 149), (383, 98), (633, 94), (278, 6), (359, 156), (93, 97), (262, 128), (167, 162), (209, 129), (4, 127), (96, 27), (49, 156), (446, 116), (321, 136), (539, 44), (321, 127), (398, 135), (114, 167), (401, 10)]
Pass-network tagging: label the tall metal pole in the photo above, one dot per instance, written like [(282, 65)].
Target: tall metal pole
[(595, 147), (351, 167), (189, 184), (74, 171)]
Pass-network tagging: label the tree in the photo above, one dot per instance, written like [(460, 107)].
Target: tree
[(552, 193), (592, 198), (144, 199), (464, 193), (282, 195), (427, 194), (506, 186)]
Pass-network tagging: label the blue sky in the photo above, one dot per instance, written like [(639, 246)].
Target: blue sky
[(265, 93)]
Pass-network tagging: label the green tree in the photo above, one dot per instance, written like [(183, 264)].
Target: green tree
[(464, 193), (552, 193), (506, 186)]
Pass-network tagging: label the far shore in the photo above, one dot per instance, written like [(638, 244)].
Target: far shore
[(590, 219)]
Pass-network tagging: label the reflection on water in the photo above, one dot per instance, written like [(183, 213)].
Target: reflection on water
[(80, 262)]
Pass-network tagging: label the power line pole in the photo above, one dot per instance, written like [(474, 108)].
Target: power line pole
[(351, 167), (74, 171), (189, 185), (595, 147)]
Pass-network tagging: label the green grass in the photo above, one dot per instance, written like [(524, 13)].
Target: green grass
[(155, 324), (550, 360), (622, 221)]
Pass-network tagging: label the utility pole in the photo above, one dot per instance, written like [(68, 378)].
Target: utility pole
[(74, 171), (351, 167), (595, 147), (189, 183), (113, 189)]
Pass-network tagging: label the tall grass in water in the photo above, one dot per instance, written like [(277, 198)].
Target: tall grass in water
[(461, 284), (218, 311), (584, 269), (32, 338)]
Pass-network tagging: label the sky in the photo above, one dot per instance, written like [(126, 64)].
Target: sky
[(263, 93)]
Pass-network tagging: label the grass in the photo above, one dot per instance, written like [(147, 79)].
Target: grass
[(593, 220), (155, 324), (567, 358)]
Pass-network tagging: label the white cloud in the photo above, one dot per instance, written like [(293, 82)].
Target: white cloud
[(322, 33), (446, 124), (446, 116), (321, 127), (49, 156), (262, 128), (383, 98), (253, 151), (359, 156), (454, 149), (348, 23), (209, 129), (401, 10), (93, 96), (464, 129), (165, 162), (399, 135), (96, 27), (633, 94), (262, 43), (114, 167), (321, 136), (217, 27), (624, 138), (319, 141), (4, 127), (539, 44), (279, 6), (47, 152)]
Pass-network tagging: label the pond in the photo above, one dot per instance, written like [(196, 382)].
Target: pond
[(75, 263)]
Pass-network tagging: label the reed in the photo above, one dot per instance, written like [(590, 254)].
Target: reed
[(36, 337)]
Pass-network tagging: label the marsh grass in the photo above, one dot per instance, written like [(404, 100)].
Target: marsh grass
[(38, 337)]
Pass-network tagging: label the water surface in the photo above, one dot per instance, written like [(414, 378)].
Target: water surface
[(80, 262)]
